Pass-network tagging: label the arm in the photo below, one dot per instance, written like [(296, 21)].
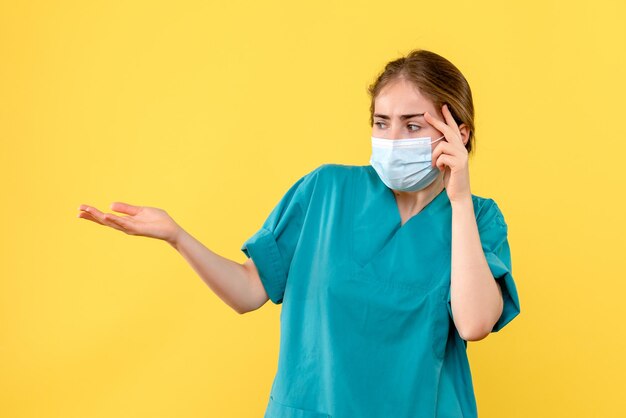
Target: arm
[(238, 285), (476, 298)]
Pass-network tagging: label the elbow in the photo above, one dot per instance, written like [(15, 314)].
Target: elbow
[(238, 309), (476, 330), (247, 308), (474, 333), (474, 336), (479, 329), (242, 310)]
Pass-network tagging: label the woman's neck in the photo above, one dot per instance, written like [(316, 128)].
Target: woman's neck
[(411, 203)]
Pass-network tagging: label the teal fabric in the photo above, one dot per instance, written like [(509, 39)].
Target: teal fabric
[(366, 321)]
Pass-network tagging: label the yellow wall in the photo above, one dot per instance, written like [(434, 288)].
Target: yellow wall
[(210, 110)]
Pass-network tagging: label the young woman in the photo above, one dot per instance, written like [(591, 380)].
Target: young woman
[(384, 271)]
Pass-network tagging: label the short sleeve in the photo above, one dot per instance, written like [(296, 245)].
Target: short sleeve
[(273, 246), (493, 232)]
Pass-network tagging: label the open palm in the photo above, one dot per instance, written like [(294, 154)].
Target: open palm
[(141, 220)]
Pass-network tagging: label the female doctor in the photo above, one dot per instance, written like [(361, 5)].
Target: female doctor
[(384, 271)]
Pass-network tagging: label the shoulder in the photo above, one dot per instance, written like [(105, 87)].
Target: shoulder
[(336, 169), (492, 227), (488, 212), (333, 173), (321, 180)]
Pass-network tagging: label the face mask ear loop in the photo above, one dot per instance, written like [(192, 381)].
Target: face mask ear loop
[(438, 139)]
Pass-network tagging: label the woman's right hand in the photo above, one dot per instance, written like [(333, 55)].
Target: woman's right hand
[(141, 220)]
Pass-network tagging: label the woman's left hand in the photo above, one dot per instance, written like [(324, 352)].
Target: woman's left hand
[(450, 156)]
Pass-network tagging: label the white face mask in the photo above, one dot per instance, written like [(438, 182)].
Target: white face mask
[(404, 164)]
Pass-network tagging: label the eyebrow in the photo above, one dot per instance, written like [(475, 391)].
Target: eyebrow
[(378, 115)]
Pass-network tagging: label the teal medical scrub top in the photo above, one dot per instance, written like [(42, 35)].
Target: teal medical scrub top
[(366, 324)]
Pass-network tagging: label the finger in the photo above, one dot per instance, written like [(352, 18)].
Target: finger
[(100, 217), (443, 161), (87, 216), (441, 148), (117, 222), (120, 220), (450, 120), (115, 225), (93, 212), (438, 124), (125, 208)]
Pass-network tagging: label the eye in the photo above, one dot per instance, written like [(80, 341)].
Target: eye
[(412, 126)]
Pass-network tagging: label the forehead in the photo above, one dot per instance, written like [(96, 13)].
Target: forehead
[(400, 97)]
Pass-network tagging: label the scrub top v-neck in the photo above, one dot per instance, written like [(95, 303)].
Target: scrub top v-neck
[(366, 321)]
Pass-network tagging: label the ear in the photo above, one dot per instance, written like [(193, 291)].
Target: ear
[(464, 133)]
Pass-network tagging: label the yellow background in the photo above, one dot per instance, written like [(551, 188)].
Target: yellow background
[(211, 110)]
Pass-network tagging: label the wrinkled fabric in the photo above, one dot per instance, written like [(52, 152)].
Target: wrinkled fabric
[(366, 325)]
